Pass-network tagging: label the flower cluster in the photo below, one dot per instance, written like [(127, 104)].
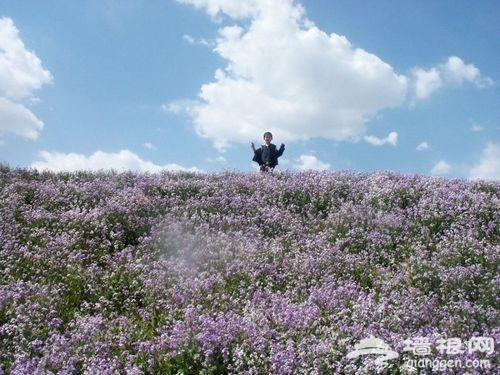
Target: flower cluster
[(238, 273)]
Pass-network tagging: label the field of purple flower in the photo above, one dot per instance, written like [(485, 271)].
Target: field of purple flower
[(122, 273)]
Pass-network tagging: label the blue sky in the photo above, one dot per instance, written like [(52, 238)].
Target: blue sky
[(148, 85)]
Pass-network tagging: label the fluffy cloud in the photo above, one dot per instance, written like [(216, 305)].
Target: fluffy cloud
[(454, 71), (426, 82), (124, 160), (282, 73), (310, 162), (17, 119), (149, 146), (234, 9), (392, 139), (488, 167), (423, 146), (21, 74), (441, 168), (285, 74)]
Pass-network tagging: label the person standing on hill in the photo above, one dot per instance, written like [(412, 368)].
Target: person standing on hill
[(267, 155)]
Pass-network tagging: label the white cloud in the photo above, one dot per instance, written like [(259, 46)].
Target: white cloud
[(192, 40), (124, 160), (310, 162), (423, 146), (234, 9), (454, 71), (218, 159), (179, 106), (426, 82), (286, 75), (21, 74), (21, 71), (189, 39), (488, 167), (19, 120), (441, 168), (392, 139), (149, 146)]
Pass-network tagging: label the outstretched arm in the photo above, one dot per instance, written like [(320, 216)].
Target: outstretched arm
[(281, 150)]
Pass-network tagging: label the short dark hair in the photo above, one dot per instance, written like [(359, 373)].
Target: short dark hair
[(266, 133)]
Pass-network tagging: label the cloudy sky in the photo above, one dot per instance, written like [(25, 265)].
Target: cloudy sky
[(146, 85)]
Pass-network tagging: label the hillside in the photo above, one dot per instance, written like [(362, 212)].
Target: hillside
[(246, 273)]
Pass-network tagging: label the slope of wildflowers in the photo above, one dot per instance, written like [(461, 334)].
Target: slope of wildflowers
[(122, 273)]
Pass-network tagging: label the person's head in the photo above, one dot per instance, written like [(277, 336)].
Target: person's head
[(268, 137)]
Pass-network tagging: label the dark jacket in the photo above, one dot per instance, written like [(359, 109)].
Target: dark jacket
[(268, 155)]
